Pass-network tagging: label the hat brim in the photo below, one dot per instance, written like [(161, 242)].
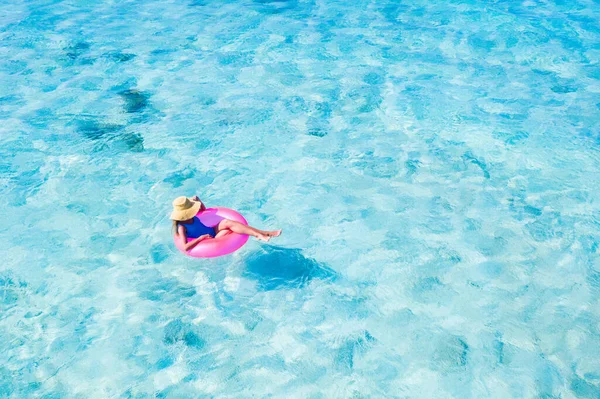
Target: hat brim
[(187, 213)]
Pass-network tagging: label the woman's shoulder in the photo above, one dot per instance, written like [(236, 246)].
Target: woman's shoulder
[(180, 226)]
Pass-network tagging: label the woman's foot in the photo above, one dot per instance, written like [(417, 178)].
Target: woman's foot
[(263, 237), (266, 235)]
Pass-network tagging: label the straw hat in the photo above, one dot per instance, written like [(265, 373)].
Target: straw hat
[(184, 208)]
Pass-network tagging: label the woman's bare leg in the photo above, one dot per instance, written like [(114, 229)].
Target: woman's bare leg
[(240, 228), (222, 233)]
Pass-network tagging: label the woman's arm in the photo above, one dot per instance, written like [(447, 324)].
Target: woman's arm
[(181, 233), (202, 207)]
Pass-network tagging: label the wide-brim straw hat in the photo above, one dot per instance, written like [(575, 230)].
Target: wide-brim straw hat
[(184, 208)]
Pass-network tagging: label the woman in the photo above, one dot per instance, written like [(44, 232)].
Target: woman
[(187, 225)]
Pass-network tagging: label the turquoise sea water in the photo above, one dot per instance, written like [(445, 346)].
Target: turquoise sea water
[(434, 166)]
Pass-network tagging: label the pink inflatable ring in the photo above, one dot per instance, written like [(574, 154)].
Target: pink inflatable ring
[(212, 248)]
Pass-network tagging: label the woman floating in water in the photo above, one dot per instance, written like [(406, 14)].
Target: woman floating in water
[(187, 225)]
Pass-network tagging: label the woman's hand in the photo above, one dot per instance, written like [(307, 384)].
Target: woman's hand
[(189, 245), (204, 237), (202, 207)]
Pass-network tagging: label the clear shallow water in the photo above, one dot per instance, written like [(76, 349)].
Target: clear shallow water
[(434, 166)]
